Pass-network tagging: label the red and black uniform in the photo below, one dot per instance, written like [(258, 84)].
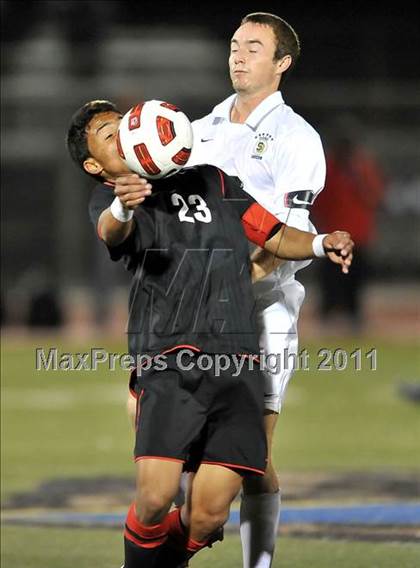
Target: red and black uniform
[(191, 286)]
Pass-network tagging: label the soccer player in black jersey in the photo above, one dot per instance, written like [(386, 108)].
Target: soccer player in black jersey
[(186, 246)]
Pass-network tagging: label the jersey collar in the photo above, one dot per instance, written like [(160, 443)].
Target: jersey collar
[(222, 110)]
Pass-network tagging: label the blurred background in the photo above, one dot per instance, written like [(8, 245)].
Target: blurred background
[(357, 82), (349, 436)]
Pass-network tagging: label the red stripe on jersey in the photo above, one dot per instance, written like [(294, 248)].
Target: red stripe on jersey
[(258, 223), (222, 181), (193, 347)]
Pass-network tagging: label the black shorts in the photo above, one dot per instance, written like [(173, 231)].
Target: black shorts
[(201, 416)]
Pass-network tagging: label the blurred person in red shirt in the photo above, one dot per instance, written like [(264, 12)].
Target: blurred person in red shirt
[(351, 198)]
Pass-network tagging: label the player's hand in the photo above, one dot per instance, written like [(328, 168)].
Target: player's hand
[(339, 248), (132, 190)]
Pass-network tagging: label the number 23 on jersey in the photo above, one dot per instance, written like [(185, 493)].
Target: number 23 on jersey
[(195, 210)]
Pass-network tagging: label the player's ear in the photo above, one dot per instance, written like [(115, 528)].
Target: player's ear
[(284, 63), (92, 166)]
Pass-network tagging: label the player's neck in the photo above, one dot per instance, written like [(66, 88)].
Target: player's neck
[(245, 104)]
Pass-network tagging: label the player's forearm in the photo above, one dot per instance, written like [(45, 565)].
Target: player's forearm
[(263, 263), (291, 244), (112, 231)]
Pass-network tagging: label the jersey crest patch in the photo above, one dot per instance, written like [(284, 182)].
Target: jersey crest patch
[(261, 144)]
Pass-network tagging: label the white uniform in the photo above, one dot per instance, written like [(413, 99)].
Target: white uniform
[(280, 160)]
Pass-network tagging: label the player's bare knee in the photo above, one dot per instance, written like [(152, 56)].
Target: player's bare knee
[(204, 521), (152, 506)]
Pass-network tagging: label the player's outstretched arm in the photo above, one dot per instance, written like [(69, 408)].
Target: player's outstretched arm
[(292, 244), (116, 222)]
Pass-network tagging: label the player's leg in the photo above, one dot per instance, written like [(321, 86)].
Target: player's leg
[(213, 491), (132, 399), (260, 504), (199, 522), (168, 419), (132, 415), (146, 530), (260, 508), (234, 441)]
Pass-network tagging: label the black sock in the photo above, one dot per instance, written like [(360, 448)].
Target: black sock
[(142, 543), (139, 557)]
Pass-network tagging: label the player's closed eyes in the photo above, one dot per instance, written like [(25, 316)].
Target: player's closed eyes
[(249, 51)]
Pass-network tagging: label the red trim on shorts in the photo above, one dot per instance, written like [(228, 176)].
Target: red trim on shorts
[(138, 408), (130, 390), (163, 458), (235, 466), (222, 181)]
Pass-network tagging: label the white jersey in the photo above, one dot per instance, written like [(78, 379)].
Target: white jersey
[(277, 155)]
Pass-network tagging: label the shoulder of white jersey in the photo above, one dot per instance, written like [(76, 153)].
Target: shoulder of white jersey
[(290, 122)]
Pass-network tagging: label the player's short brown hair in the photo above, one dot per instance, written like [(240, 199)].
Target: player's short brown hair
[(287, 39)]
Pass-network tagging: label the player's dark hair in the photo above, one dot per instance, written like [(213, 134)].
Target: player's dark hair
[(287, 39), (76, 139)]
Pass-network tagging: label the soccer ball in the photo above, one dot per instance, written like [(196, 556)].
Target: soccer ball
[(155, 139)]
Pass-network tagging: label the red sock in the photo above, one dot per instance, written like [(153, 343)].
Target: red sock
[(177, 533), (147, 536), (194, 546)]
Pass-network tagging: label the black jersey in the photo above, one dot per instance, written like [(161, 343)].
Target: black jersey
[(189, 257)]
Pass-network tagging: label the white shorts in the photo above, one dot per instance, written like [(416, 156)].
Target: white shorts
[(279, 340)]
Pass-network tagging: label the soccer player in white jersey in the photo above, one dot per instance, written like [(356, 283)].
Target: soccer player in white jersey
[(279, 157)]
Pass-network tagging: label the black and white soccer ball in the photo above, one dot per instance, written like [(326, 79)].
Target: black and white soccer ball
[(155, 139)]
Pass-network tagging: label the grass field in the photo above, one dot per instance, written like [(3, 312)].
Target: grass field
[(78, 548), (73, 425)]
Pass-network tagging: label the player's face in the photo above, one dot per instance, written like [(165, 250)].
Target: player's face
[(252, 66), (104, 159)]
